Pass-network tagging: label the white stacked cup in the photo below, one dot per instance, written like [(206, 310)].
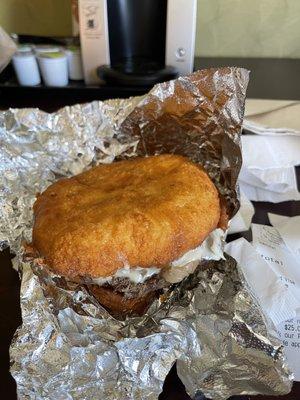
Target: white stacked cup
[(74, 63), (54, 68), (26, 67)]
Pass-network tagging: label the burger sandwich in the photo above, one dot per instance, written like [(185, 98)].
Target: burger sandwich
[(128, 229)]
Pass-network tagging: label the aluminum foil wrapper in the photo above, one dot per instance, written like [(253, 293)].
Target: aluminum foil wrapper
[(68, 346)]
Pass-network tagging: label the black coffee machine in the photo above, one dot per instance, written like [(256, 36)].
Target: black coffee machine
[(146, 44)]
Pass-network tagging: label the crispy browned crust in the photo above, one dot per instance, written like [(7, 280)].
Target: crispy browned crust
[(143, 212), (223, 221), (120, 306)]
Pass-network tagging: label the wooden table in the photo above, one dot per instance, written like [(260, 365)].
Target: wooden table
[(278, 79)]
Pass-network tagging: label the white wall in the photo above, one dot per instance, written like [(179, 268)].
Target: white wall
[(242, 28), (248, 28)]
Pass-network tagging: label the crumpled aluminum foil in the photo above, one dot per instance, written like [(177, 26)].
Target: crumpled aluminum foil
[(68, 346)]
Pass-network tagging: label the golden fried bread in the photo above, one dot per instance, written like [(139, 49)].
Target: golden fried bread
[(120, 306), (142, 212), (224, 219)]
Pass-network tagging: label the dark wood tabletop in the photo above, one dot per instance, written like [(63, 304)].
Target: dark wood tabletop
[(278, 79)]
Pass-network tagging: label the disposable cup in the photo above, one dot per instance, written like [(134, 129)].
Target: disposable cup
[(26, 68), (54, 68), (74, 63)]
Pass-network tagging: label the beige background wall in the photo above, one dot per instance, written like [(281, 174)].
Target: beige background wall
[(36, 17), (249, 28), (256, 28)]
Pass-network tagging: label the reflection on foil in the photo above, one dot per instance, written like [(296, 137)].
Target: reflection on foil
[(69, 347)]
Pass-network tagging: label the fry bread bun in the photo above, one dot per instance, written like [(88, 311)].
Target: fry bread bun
[(141, 212), (120, 306)]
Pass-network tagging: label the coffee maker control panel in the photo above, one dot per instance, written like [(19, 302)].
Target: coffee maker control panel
[(180, 35), (180, 53)]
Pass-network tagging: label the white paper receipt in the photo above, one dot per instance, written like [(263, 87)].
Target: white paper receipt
[(271, 246), (289, 333), (273, 272)]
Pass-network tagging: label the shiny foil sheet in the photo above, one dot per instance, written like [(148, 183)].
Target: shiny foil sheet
[(68, 346)]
